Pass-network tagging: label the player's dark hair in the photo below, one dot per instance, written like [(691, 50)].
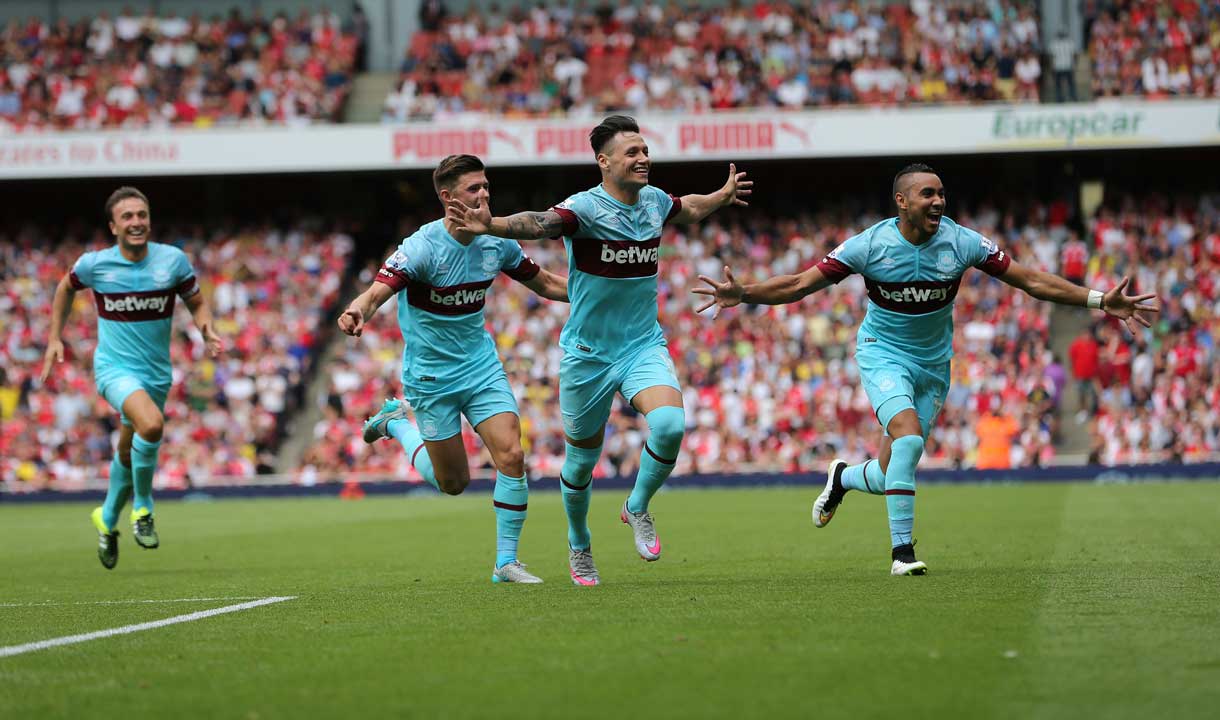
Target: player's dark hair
[(452, 168), (119, 196), (611, 126), (911, 170)]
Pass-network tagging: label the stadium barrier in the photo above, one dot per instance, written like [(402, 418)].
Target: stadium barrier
[(736, 135), (287, 487)]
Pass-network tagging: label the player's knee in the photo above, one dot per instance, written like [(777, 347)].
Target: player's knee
[(511, 461), (152, 428), (666, 427), (452, 485)]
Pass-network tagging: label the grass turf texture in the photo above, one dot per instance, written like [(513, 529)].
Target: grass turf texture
[(1043, 601)]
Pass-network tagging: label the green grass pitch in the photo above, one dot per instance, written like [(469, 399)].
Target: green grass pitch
[(1043, 601)]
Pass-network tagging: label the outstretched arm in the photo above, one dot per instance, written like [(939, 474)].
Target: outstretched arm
[(522, 226), (61, 307), (202, 315), (779, 290), (351, 322), (697, 207), (549, 285), (1131, 309)]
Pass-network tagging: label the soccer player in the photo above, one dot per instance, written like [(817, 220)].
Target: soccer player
[(134, 285), (612, 341), (912, 265), (450, 368)]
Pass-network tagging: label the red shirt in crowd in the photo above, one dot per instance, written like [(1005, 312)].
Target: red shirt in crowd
[(1083, 353)]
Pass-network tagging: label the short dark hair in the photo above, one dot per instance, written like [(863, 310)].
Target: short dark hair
[(611, 126), (119, 196), (452, 168), (911, 170)]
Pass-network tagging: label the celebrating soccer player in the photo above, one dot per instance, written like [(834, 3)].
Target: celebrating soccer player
[(912, 265), (134, 285), (450, 368), (612, 341)]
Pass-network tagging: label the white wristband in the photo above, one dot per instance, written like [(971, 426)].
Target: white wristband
[(1094, 301)]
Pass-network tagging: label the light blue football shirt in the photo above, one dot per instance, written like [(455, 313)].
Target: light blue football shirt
[(442, 287), (135, 307), (613, 251), (911, 288)]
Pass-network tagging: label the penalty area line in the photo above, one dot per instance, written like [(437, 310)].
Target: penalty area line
[(127, 629)]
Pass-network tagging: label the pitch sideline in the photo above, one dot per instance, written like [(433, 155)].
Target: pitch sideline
[(139, 627)]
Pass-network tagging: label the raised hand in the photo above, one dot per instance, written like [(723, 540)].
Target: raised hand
[(475, 220), (736, 187), (54, 354), (351, 322), (724, 294), (1131, 309)]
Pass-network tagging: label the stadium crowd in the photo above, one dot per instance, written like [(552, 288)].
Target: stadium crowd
[(556, 58), (1154, 49), (267, 288), (139, 71), (1156, 397)]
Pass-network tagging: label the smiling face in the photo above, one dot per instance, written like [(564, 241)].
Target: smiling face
[(921, 201), (624, 161), (130, 222)]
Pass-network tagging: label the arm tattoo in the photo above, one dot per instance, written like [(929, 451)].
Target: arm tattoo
[(534, 225)]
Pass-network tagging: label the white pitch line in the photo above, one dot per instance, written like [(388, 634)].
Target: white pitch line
[(52, 603), (72, 639)]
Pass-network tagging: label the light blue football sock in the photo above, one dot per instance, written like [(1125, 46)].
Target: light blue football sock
[(118, 493), (900, 487), (666, 426), (143, 467), (576, 483), (866, 476), (405, 432), (510, 498)]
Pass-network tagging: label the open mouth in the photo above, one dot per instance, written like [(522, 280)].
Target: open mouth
[(136, 232), (640, 170), (934, 218)]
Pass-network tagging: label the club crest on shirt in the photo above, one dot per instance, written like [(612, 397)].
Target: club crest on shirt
[(653, 215), (945, 261), (160, 275), (491, 260), (108, 276)]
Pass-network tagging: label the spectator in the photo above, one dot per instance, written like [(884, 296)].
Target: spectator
[(1063, 64)]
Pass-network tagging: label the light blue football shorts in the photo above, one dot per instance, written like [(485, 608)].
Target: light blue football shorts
[(587, 387), (894, 384), (118, 384), (439, 416)]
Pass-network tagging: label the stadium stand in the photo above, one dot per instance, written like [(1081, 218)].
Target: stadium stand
[(145, 71), (224, 418), (1154, 49), (555, 59)]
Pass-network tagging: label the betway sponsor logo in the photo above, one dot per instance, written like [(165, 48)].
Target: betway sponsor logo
[(1066, 126), (458, 297), (631, 255), (464, 299), (617, 258), (135, 303), (915, 295)]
